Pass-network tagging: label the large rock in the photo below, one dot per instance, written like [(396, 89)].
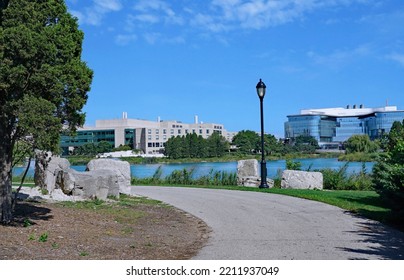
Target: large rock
[(99, 184), (47, 168), (55, 175), (295, 179), (247, 168), (122, 169), (247, 174)]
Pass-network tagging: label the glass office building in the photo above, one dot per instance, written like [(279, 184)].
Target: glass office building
[(336, 125)]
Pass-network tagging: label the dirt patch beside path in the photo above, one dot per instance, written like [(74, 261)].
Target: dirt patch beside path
[(133, 228)]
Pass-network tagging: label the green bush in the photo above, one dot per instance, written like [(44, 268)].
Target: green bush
[(293, 165), (340, 180), (388, 180), (388, 172)]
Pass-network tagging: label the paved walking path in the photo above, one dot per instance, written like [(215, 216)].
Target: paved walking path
[(251, 225)]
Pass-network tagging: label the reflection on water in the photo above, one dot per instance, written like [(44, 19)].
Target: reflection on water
[(203, 168)]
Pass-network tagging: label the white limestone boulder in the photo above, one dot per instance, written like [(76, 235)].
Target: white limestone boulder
[(296, 179), (122, 169), (247, 174), (96, 184), (47, 168)]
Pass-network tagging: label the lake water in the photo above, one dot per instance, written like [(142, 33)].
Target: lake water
[(203, 168)]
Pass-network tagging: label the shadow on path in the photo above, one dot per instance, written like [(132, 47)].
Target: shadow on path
[(384, 242)]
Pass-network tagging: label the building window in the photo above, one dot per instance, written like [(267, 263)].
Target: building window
[(200, 131), (186, 131), (149, 137), (157, 137), (157, 131), (164, 131), (149, 131), (207, 131), (164, 137), (179, 131), (172, 131)]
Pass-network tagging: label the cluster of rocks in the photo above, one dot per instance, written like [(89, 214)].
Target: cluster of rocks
[(103, 178), (247, 175)]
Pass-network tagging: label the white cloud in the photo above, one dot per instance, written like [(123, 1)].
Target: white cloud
[(108, 5), (259, 14), (146, 18), (340, 58), (155, 37), (208, 22), (158, 9), (94, 14), (124, 40), (397, 58)]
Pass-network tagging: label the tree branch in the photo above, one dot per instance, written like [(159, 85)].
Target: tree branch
[(21, 183)]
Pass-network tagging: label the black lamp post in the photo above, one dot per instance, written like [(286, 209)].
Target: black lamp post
[(261, 88)]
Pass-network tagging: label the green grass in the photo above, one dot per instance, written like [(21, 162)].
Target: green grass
[(29, 180)]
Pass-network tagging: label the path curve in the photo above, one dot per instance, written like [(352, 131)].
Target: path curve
[(252, 225)]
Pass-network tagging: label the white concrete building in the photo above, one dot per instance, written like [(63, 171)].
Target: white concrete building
[(144, 135)]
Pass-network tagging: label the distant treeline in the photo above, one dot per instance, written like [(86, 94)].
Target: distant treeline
[(194, 146)]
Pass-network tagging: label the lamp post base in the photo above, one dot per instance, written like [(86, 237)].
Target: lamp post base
[(264, 184)]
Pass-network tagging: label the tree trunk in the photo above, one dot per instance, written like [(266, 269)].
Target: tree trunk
[(6, 150)]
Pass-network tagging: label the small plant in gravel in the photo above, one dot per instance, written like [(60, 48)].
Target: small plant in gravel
[(43, 237), (83, 254), (55, 245), (44, 191), (27, 223), (31, 237)]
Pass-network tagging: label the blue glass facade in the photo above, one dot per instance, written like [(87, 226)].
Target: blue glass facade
[(381, 123), (346, 127), (303, 125), (325, 128), (86, 137)]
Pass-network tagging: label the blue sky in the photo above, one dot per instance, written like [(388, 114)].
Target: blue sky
[(180, 58)]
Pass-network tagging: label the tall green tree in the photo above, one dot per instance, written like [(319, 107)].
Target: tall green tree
[(388, 172), (193, 145), (305, 144), (217, 145), (40, 62), (395, 135), (247, 141), (360, 144)]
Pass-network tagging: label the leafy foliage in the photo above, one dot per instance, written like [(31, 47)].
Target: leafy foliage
[(305, 144), (388, 172), (293, 165), (92, 149), (360, 144), (340, 180), (193, 146), (247, 141), (187, 177), (43, 81)]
